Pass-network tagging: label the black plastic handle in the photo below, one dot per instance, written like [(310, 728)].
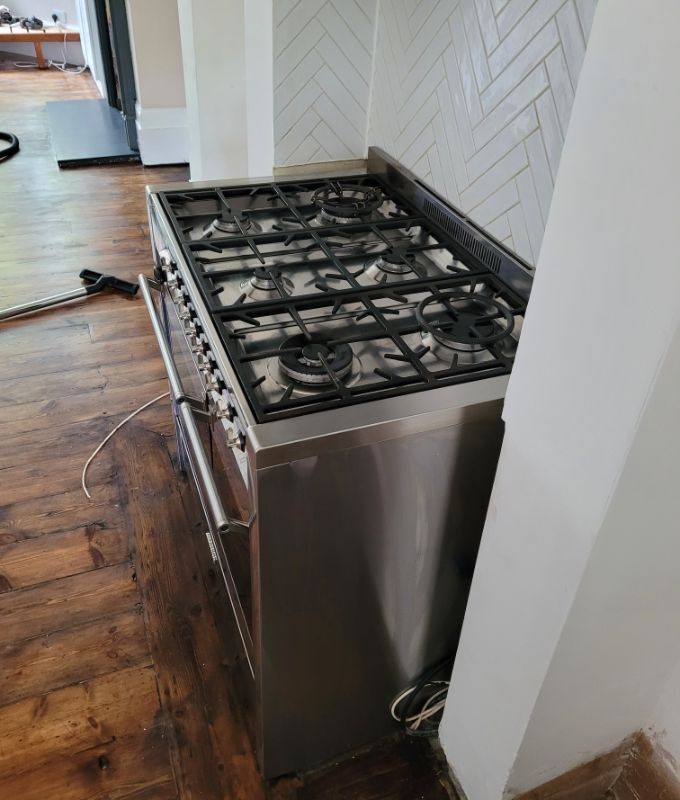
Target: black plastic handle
[(98, 282)]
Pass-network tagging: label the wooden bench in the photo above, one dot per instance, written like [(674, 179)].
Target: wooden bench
[(37, 38)]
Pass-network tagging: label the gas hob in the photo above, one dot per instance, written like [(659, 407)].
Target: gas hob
[(335, 291)]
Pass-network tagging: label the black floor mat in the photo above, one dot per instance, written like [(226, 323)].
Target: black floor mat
[(88, 132)]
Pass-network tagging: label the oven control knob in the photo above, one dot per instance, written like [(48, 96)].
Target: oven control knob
[(236, 439), (210, 380), (165, 258), (223, 408), (204, 363)]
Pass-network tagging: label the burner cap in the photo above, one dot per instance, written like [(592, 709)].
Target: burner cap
[(262, 279), (346, 203), (302, 359), (394, 262), (228, 223), (266, 280), (461, 320)]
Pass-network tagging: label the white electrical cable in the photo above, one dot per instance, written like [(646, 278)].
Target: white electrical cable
[(429, 709), (50, 63), (106, 439), (62, 67)]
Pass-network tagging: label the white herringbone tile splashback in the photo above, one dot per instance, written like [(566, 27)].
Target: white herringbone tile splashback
[(323, 57), (474, 96)]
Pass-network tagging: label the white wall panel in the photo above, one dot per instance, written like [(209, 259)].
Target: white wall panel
[(570, 637), (323, 63), (475, 96)]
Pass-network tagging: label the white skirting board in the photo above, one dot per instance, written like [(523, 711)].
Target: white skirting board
[(163, 135)]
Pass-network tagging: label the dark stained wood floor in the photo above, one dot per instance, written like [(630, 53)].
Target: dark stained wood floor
[(119, 672)]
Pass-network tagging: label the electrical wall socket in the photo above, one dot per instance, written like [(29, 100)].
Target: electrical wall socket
[(60, 15)]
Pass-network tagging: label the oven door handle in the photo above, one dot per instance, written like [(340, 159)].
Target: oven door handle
[(210, 499)]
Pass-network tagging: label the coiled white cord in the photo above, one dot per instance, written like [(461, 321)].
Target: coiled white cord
[(430, 708), (106, 439)]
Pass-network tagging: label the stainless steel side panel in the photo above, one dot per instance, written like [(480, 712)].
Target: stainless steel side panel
[(359, 593), (298, 437)]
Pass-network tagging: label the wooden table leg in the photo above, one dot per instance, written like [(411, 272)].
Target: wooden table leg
[(39, 55)]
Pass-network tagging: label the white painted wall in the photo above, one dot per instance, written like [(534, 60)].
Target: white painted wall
[(213, 50), (323, 63), (159, 78), (43, 10), (259, 54), (90, 42), (617, 649), (567, 640), (475, 97)]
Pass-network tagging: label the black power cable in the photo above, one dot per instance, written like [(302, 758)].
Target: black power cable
[(7, 152)]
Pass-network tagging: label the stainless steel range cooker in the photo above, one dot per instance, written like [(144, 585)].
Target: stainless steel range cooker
[(338, 350)]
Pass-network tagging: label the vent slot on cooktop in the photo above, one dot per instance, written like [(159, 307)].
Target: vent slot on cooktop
[(462, 235)]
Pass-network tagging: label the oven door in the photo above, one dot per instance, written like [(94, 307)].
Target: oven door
[(204, 454)]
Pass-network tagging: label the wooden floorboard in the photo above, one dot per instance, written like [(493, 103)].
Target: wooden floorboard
[(80, 714), (65, 602), (133, 767), (71, 654), (120, 674), (189, 652), (78, 717)]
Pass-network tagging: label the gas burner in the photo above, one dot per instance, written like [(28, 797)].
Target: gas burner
[(228, 223), (340, 204), (390, 265), (315, 361), (463, 321), (268, 282)]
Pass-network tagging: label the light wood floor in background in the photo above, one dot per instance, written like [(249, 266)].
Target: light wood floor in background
[(116, 659)]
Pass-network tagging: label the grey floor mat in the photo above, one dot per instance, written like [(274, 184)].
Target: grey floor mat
[(88, 132)]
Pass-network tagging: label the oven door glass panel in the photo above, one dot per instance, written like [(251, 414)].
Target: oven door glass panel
[(191, 379)]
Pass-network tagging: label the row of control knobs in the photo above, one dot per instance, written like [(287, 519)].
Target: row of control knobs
[(199, 346)]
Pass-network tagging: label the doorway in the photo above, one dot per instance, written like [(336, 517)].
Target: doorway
[(86, 132), (118, 74)]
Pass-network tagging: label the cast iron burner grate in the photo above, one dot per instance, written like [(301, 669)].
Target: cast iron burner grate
[(464, 320), (365, 344), (346, 203), (331, 292)]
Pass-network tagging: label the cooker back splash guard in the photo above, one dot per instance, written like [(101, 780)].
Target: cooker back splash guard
[(338, 349)]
